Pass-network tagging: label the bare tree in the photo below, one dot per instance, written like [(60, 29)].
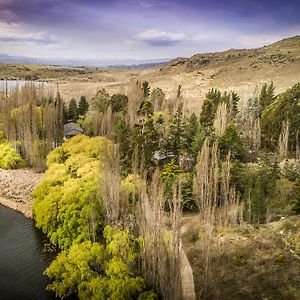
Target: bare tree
[(229, 207), (161, 265), (205, 189), (109, 183), (33, 120), (221, 118), (217, 200), (135, 96), (283, 141), (249, 123)]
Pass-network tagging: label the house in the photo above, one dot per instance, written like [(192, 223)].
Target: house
[(71, 129)]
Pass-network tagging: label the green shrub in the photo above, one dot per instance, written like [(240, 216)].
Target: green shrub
[(96, 271), (66, 199), (67, 209), (9, 158), (257, 185), (296, 207)]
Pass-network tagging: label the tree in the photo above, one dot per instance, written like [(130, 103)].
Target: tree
[(65, 114), (122, 134), (175, 138), (211, 103), (157, 98), (96, 271), (191, 130), (198, 142), (231, 142), (66, 199), (101, 101), (72, 110), (33, 119), (234, 103), (207, 113), (146, 140), (119, 103), (135, 97), (285, 107), (146, 89), (146, 108), (296, 207), (83, 106), (266, 96), (209, 107)]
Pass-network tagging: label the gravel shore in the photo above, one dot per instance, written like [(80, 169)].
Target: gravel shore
[(16, 187)]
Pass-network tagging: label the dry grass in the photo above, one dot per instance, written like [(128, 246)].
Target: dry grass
[(254, 262), (243, 71)]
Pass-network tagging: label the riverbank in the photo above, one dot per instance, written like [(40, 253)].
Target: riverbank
[(16, 187)]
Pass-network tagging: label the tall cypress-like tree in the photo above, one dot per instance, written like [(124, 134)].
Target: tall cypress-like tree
[(191, 131), (146, 89), (209, 107), (83, 106), (72, 110), (176, 139), (266, 96)]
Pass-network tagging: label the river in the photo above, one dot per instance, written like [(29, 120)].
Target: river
[(22, 261)]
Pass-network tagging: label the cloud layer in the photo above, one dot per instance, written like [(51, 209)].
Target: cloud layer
[(141, 29), (161, 38), (15, 34)]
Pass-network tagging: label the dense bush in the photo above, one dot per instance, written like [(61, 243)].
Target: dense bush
[(66, 199), (296, 207), (9, 158), (285, 107), (265, 193), (94, 264), (99, 271)]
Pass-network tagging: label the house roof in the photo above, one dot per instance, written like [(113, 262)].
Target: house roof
[(72, 129)]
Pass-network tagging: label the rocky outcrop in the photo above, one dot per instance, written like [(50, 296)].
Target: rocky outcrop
[(16, 187)]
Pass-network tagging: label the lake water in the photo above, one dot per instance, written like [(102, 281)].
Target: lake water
[(12, 84), (22, 261)]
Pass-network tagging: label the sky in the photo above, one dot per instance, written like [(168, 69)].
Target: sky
[(141, 29)]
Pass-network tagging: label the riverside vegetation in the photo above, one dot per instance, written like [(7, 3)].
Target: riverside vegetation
[(230, 165)]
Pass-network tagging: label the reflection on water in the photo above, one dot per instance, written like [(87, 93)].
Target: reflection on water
[(22, 261), (12, 84)]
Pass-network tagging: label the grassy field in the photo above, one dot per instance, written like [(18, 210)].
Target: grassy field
[(243, 71)]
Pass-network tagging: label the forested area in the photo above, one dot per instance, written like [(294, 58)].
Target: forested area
[(112, 200), (31, 119)]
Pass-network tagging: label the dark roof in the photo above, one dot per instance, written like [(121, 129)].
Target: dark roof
[(71, 129)]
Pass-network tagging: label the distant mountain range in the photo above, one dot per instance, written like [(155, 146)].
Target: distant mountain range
[(4, 58)]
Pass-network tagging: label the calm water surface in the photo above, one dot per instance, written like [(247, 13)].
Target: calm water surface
[(22, 261), (12, 84)]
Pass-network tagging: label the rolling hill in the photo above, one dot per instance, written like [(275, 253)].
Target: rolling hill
[(241, 70)]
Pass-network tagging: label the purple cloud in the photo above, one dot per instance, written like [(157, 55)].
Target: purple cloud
[(161, 38), (141, 28)]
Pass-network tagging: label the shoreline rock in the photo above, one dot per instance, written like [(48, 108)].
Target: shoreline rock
[(24, 208), (16, 187)]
